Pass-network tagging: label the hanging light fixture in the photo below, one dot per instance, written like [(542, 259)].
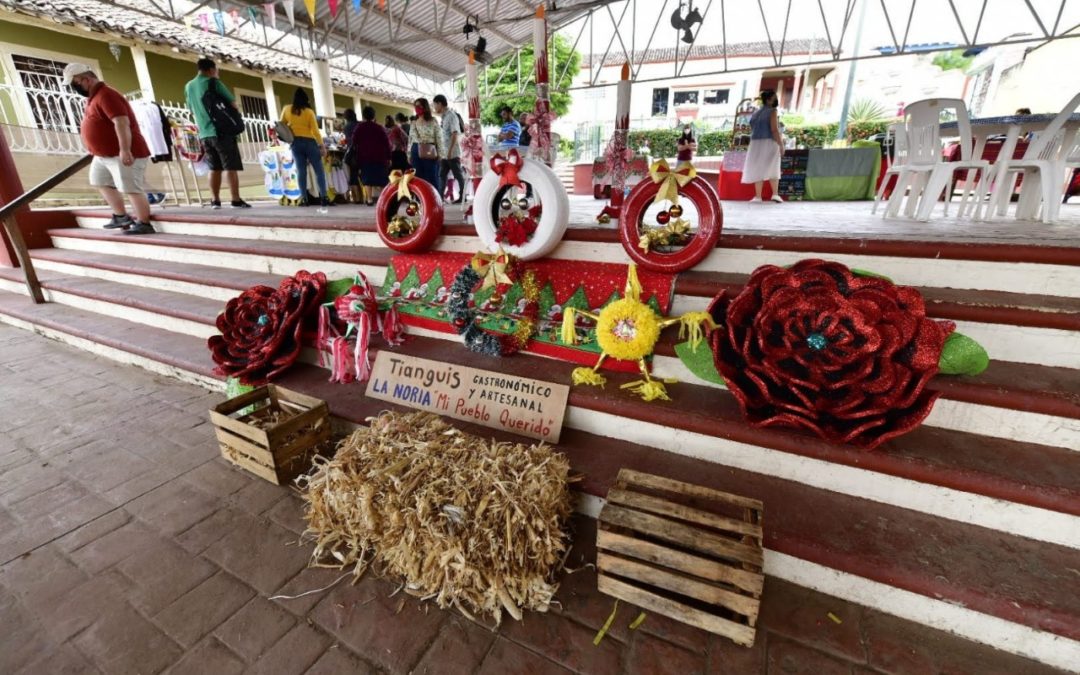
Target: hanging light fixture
[(114, 49)]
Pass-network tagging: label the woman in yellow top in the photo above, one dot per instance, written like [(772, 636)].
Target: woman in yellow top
[(307, 147)]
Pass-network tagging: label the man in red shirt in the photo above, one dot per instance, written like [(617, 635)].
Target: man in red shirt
[(111, 135)]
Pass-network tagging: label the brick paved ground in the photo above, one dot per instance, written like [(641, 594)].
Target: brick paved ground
[(128, 546)]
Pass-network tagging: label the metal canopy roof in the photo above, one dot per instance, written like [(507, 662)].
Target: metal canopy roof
[(421, 38)]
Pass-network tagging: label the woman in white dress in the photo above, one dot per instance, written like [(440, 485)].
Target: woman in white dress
[(766, 146)]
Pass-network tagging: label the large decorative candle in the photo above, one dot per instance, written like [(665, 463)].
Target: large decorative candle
[(540, 120), (622, 101), (472, 88), (474, 139), (540, 45)]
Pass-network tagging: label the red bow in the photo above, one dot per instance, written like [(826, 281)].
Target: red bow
[(507, 167)]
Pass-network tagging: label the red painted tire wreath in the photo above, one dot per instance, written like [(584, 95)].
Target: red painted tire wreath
[(710, 221), (430, 217)]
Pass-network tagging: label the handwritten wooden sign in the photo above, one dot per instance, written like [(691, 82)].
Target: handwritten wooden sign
[(520, 405)]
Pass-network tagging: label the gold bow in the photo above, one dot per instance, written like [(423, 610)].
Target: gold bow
[(492, 268), (401, 180), (670, 181)]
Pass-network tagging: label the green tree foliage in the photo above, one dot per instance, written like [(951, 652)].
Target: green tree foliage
[(954, 60), (505, 92)]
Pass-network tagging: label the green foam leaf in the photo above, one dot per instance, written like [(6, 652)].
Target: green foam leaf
[(867, 273), (962, 356), (337, 288), (699, 361)]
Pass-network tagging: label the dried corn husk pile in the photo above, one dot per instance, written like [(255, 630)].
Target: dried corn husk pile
[(471, 523)]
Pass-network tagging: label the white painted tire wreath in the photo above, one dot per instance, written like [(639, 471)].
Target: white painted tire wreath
[(554, 216)]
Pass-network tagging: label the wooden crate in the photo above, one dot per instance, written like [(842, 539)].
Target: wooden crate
[(281, 451), (657, 549)]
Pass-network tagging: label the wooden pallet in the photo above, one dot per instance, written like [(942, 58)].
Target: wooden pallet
[(277, 452), (685, 551)]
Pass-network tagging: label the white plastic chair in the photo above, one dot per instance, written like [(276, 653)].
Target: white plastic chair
[(925, 174), (1044, 167), (895, 163)]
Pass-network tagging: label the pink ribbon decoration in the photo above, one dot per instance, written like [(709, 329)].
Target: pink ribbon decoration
[(507, 167), (359, 309), (539, 124), (617, 158), (473, 147)]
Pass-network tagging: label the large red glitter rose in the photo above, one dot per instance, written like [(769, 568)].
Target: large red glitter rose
[(819, 347), (260, 329)]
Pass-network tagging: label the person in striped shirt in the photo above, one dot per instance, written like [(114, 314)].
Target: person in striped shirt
[(510, 134)]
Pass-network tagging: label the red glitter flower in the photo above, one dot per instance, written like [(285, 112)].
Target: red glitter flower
[(260, 329), (818, 347), (515, 231)]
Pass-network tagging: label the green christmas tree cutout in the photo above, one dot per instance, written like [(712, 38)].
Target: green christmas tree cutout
[(547, 299), (389, 280), (578, 300), (411, 280), (433, 284)]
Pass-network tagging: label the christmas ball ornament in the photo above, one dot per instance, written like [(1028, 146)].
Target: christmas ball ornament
[(663, 217), (506, 204), (523, 203), (422, 199), (675, 210)]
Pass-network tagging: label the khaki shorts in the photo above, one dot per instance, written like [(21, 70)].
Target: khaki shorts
[(109, 172)]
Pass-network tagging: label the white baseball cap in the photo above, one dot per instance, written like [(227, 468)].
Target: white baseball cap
[(73, 70)]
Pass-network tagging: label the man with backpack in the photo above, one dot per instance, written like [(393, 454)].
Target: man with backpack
[(219, 122), (452, 129)]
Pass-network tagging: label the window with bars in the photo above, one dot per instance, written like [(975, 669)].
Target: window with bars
[(660, 101), (716, 96), (53, 106), (254, 107), (686, 97)]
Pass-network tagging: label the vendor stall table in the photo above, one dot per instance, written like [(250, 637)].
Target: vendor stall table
[(817, 174)]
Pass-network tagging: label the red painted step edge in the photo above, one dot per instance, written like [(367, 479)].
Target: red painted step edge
[(987, 252)]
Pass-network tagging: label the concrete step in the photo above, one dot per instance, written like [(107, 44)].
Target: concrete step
[(219, 283), (167, 310), (1026, 328), (1044, 402), (166, 352), (1018, 267)]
